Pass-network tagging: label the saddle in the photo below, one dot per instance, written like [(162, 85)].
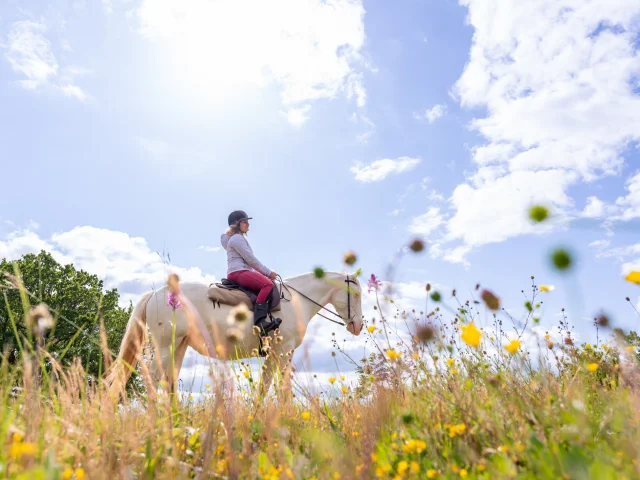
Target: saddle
[(228, 292)]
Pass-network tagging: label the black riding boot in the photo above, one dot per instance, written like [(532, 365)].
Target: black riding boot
[(261, 320)]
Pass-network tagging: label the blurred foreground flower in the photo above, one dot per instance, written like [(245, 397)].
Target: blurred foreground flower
[(633, 277), (471, 335), (374, 284), (512, 347), (561, 259), (417, 245), (592, 367), (350, 258), (40, 319), (239, 314), (371, 328), (393, 355), (547, 288), (538, 213), (490, 300)]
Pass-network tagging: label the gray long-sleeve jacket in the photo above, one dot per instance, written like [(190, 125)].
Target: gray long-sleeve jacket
[(240, 255)]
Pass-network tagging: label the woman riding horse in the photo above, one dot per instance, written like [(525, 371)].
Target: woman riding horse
[(246, 270)]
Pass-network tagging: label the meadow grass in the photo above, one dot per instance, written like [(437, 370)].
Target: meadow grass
[(446, 400)]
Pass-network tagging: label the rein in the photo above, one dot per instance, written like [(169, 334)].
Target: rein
[(347, 281)]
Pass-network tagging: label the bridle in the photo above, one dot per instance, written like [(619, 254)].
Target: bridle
[(348, 319)]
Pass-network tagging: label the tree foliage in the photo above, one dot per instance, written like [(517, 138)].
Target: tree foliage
[(78, 302)]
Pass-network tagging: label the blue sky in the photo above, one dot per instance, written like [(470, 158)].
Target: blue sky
[(133, 127)]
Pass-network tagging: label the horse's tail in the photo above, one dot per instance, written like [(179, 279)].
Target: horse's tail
[(131, 344)]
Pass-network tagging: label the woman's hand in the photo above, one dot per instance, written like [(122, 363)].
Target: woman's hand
[(273, 276)]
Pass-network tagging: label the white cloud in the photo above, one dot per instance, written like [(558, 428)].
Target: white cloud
[(495, 209), (298, 116), (363, 138), (124, 262), (427, 222), (29, 53), (557, 82), (74, 91), (630, 203), (434, 113), (594, 208), (310, 48), (381, 169)]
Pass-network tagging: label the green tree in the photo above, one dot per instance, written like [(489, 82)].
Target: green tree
[(77, 301)]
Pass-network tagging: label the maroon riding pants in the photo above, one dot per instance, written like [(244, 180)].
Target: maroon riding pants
[(254, 281)]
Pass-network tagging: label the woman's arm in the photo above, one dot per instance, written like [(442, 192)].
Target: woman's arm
[(240, 245)]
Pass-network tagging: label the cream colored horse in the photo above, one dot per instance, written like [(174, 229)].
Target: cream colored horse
[(206, 329)]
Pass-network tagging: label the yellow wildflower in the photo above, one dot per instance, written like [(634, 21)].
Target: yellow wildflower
[(79, 473), (415, 467), (455, 468), (207, 387), (630, 348), (450, 361), (547, 288), (456, 429), (471, 335), (342, 377), (463, 473), (415, 356), (393, 355), (336, 475), (67, 474), (592, 367), (587, 345), (414, 446), (513, 346), (547, 336), (332, 380), (22, 449), (503, 448), (481, 468), (633, 277), (431, 473), (402, 468), (345, 389), (246, 374), (306, 415), (371, 328)]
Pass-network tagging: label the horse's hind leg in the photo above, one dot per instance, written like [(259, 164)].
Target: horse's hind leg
[(164, 370)]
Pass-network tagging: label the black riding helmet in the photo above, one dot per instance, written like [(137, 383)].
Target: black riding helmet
[(237, 215)]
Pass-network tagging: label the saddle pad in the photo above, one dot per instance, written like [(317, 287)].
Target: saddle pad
[(232, 297)]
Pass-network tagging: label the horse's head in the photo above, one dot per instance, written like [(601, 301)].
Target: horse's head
[(348, 303)]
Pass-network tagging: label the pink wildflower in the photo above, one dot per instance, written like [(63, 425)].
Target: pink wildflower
[(173, 301), (374, 283)]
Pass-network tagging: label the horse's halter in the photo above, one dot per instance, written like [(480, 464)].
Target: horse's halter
[(348, 319)]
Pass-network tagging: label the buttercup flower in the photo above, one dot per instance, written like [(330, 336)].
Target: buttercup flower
[(512, 347), (547, 288), (633, 277), (471, 335)]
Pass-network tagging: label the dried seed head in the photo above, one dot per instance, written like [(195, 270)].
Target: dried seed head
[(235, 335), (425, 333), (40, 318), (417, 245), (239, 314), (173, 282), (350, 258), (490, 300)]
